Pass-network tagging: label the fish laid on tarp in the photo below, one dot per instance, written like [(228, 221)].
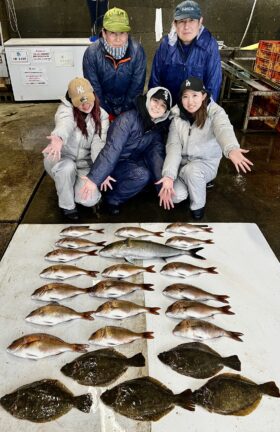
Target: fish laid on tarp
[(232, 394), (182, 291), (131, 249), (112, 336), (122, 271), (116, 288), (39, 345), (187, 228), (183, 270), (79, 231), (100, 367), (66, 255), (62, 272), (54, 313), (145, 399), (119, 309), (57, 291), (43, 401), (197, 360), (77, 243), (136, 232), (201, 330), (183, 309), (182, 242)]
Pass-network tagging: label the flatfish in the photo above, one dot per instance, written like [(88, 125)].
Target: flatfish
[(117, 288), (183, 309), (183, 270), (201, 330), (65, 255), (124, 270), (79, 231), (55, 313), (145, 399), (43, 401), (101, 367), (136, 232), (231, 394), (62, 272), (112, 336), (39, 345), (182, 291), (197, 360), (77, 243), (187, 228), (119, 309)]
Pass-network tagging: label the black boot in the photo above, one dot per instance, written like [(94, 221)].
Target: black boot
[(198, 214), (70, 214)]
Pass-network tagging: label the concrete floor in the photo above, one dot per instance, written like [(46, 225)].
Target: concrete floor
[(27, 195)]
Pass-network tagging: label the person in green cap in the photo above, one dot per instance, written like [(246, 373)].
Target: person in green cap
[(115, 64)]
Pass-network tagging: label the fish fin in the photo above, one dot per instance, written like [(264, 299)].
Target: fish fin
[(222, 298), (232, 362), (102, 243), (153, 310), (247, 410), (79, 347), (92, 273), (226, 310), (270, 388), (83, 402), (158, 233), (148, 287), (100, 230), (235, 335), (208, 229), (88, 315), (209, 241), (148, 335), (212, 270), (193, 253), (185, 400), (130, 260), (138, 360), (93, 252), (150, 269)]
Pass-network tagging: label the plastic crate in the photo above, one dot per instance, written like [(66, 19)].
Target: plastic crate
[(275, 77), (272, 46), (266, 63), (265, 72), (276, 66)]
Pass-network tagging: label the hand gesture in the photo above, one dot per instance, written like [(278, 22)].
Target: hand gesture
[(88, 189), (166, 192), (53, 149), (239, 161), (106, 184)]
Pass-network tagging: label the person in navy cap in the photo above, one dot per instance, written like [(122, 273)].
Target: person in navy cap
[(188, 50)]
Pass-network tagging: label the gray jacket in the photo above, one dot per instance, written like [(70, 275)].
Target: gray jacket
[(187, 142), (81, 149)]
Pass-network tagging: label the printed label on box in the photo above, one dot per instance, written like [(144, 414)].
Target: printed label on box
[(41, 55), (19, 56), (34, 76)]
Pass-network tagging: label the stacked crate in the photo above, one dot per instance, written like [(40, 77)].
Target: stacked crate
[(268, 60)]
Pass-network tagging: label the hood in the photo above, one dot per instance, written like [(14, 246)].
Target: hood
[(173, 37), (149, 94)]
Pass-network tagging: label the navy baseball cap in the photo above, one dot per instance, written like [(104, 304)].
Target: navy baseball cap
[(187, 9)]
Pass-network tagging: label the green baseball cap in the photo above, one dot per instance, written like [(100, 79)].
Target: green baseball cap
[(116, 20)]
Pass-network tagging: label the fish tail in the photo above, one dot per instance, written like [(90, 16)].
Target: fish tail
[(150, 269), (153, 310), (137, 360), (270, 388), (209, 229), (148, 335), (158, 233), (235, 335), (212, 270), (226, 310), (148, 287), (194, 254), (222, 298), (100, 230), (88, 315), (209, 241), (102, 243), (93, 252), (79, 347), (83, 402), (185, 400), (232, 362), (92, 273)]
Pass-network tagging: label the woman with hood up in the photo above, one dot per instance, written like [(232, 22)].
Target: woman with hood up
[(134, 152), (200, 133)]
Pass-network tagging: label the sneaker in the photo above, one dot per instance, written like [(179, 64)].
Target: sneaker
[(210, 185), (198, 214), (70, 214)]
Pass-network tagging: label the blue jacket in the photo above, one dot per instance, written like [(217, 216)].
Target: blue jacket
[(171, 66), (127, 140), (116, 83)]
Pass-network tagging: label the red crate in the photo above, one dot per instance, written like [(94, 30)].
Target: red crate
[(265, 72), (275, 77), (266, 63), (276, 66), (269, 46)]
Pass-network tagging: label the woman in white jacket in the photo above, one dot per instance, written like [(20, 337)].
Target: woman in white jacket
[(79, 135), (199, 133)]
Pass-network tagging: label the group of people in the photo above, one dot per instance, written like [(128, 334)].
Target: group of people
[(111, 139)]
